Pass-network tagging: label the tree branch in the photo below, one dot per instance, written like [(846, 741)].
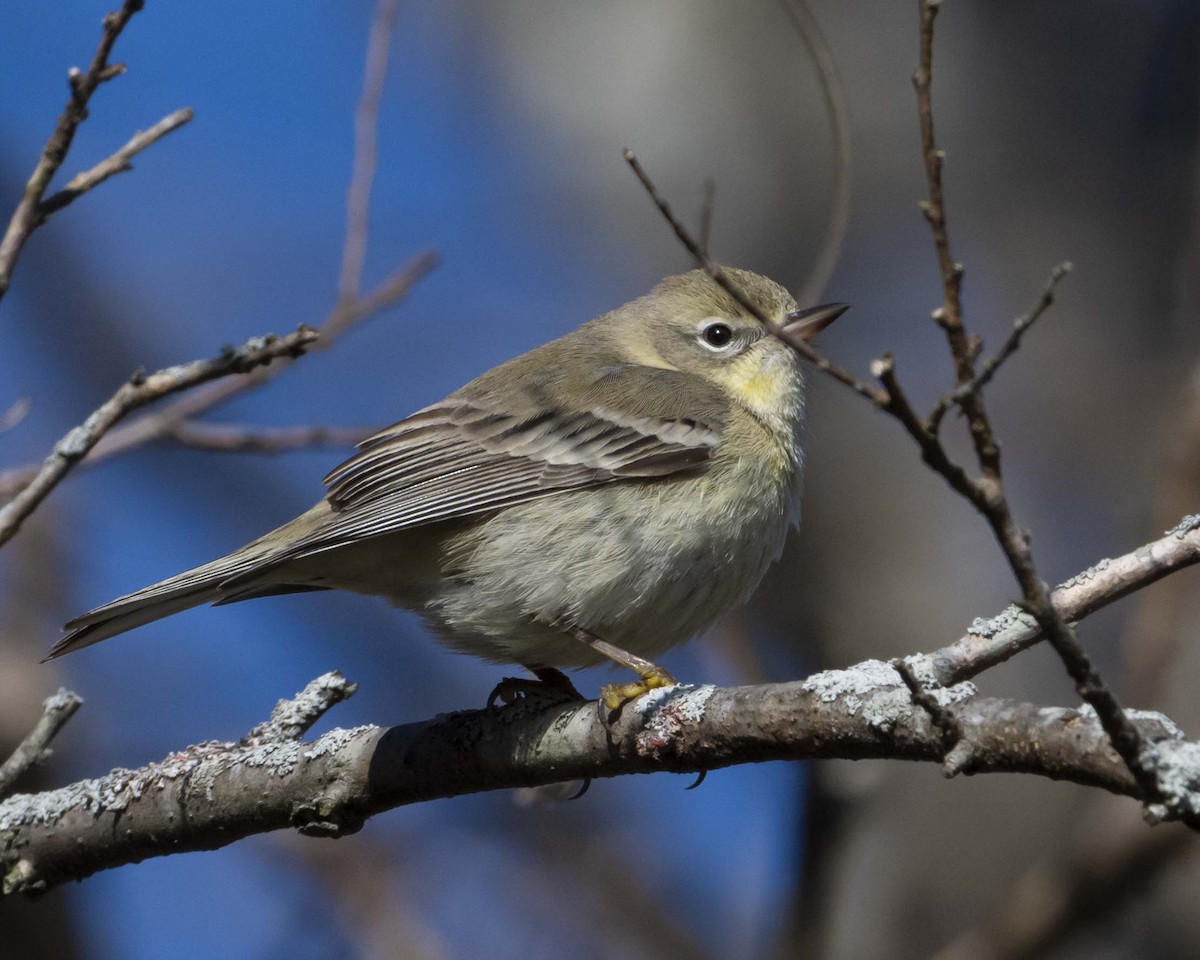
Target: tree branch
[(212, 794), (28, 214), (119, 162), (139, 391)]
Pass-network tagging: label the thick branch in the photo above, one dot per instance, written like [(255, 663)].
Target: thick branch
[(139, 391), (28, 214), (215, 793)]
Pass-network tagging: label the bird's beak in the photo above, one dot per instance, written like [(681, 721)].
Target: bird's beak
[(806, 324)]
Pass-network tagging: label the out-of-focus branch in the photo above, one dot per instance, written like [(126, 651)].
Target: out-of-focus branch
[(56, 711), (1051, 904), (139, 391), (212, 794), (366, 136), (245, 438), (119, 162), (830, 82), (14, 414), (29, 213)]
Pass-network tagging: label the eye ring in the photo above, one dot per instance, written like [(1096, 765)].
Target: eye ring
[(717, 336)]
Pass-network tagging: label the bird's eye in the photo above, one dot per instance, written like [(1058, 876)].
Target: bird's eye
[(717, 335)]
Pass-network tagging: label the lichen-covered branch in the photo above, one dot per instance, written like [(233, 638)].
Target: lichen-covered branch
[(215, 793), (137, 392)]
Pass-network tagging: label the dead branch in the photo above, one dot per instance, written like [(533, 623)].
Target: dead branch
[(32, 211), (137, 392)]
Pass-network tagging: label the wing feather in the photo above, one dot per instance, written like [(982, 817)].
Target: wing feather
[(470, 455)]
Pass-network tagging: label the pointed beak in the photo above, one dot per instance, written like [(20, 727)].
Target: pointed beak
[(806, 324)]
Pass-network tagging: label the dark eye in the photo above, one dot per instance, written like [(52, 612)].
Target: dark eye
[(717, 335)]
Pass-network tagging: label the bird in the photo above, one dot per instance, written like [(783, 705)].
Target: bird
[(602, 497)]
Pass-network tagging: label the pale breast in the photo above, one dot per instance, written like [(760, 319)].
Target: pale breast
[(644, 565)]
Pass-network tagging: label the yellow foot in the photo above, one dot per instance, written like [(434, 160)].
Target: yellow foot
[(616, 695)]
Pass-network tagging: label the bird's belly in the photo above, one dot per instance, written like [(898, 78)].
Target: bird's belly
[(639, 565)]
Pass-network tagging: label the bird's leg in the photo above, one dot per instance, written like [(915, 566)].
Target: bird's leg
[(616, 695), (552, 685)]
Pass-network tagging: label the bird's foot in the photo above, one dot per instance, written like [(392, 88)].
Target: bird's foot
[(547, 688), (616, 695)]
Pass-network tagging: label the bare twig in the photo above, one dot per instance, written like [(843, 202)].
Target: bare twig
[(139, 391), (163, 422), (721, 278), (119, 162), (35, 748), (1011, 345), (366, 136), (245, 438), (212, 794), (949, 315), (988, 492), (27, 216), (832, 94)]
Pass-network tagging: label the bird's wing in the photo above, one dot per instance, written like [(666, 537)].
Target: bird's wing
[(474, 454)]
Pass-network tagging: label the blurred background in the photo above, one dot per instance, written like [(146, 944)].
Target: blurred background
[(1071, 133)]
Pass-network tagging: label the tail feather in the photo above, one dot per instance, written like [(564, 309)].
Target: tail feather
[(188, 589)]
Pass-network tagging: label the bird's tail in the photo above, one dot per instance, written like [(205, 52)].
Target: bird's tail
[(188, 589)]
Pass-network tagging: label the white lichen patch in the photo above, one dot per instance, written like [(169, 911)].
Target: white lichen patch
[(851, 684), (1184, 527), (1085, 576), (111, 793), (875, 691), (1172, 730), (334, 740), (1011, 618), (1176, 763), (667, 712)]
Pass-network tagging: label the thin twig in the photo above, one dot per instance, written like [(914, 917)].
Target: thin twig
[(989, 496), (366, 137), (990, 367), (35, 748), (27, 216), (721, 278), (834, 98), (139, 391), (162, 422), (119, 162), (949, 315)]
